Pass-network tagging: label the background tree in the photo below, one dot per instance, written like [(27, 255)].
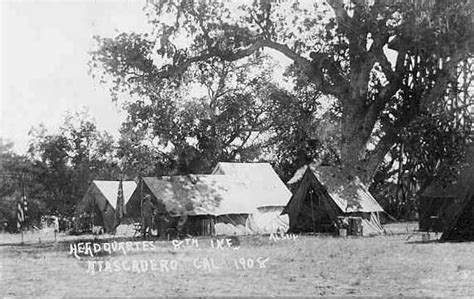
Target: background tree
[(431, 151), (17, 178), (69, 160)]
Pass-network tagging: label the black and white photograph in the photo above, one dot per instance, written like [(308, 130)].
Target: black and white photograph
[(237, 148)]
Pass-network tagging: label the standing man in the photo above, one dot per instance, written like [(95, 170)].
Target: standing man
[(147, 215)]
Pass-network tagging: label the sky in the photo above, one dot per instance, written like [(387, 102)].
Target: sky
[(44, 53)]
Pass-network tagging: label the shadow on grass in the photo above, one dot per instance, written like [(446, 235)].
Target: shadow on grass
[(423, 242)]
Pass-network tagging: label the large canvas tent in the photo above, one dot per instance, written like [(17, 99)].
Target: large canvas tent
[(100, 200), (460, 226), (326, 196), (270, 193), (202, 204)]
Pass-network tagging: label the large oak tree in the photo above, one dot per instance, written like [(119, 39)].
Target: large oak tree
[(385, 62)]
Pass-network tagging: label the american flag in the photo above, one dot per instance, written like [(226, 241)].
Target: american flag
[(22, 208), (120, 208)]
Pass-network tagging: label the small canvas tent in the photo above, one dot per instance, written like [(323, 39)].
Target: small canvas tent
[(460, 226), (270, 193), (101, 200), (326, 196), (437, 205)]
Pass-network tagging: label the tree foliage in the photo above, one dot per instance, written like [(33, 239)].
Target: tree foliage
[(66, 162), (385, 62), (17, 178), (302, 130), (216, 112)]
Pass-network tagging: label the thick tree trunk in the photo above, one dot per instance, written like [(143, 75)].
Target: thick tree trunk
[(353, 138), (351, 142), (357, 126), (353, 159), (355, 132)]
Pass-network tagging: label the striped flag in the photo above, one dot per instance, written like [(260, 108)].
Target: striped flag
[(20, 212), (120, 208), (25, 206)]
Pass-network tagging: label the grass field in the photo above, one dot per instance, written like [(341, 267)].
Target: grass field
[(394, 264)]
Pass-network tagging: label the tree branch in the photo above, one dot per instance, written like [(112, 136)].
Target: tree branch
[(443, 77), (378, 154), (394, 78), (339, 87), (241, 146), (341, 14)]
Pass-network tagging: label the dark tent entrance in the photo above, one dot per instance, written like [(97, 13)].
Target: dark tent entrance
[(97, 216), (435, 212), (200, 225), (210, 225), (437, 205), (316, 214)]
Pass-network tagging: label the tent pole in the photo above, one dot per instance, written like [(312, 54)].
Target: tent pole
[(93, 212), (141, 202), (312, 209)]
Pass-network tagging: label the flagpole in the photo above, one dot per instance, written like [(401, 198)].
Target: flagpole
[(22, 201), (124, 208)]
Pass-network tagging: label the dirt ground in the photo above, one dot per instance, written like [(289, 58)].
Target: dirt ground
[(395, 264)]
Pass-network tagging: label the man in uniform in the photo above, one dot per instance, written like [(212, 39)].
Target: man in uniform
[(147, 215)]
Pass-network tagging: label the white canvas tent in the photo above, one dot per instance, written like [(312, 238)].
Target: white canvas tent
[(198, 202), (219, 204), (270, 195), (101, 199)]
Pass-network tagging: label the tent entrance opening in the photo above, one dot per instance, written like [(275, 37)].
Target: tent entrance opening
[(315, 213)]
